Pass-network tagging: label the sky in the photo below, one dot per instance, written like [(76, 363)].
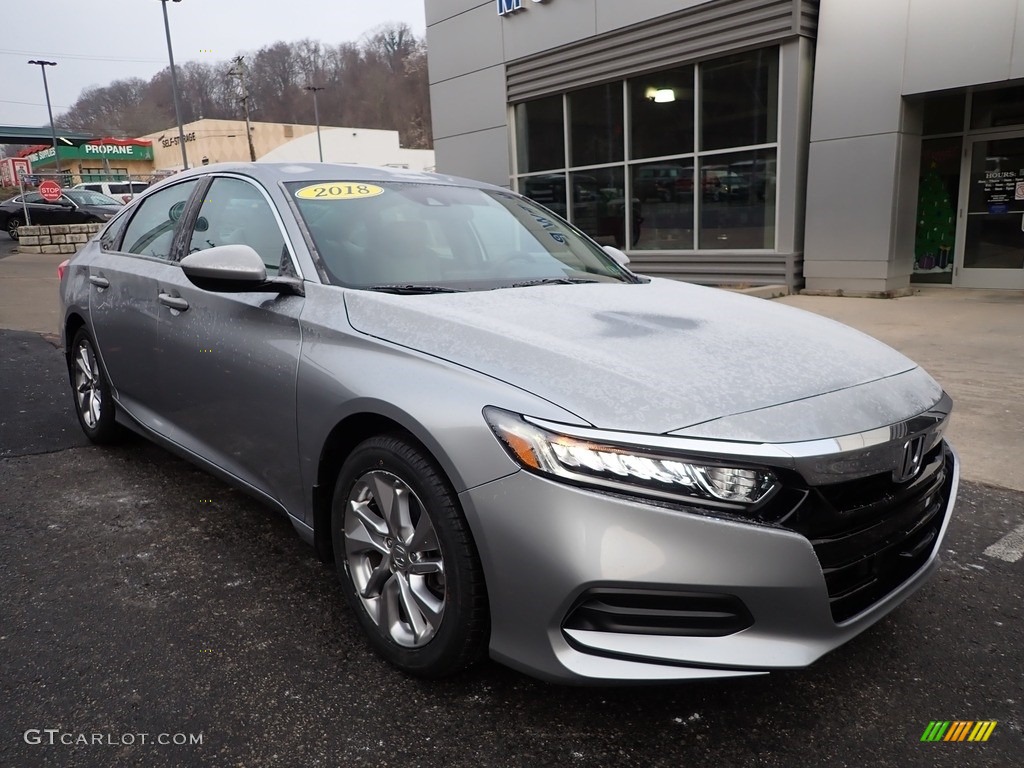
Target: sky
[(98, 41)]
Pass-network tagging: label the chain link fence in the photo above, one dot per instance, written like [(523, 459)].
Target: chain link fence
[(121, 187)]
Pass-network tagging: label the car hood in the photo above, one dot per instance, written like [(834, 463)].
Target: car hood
[(653, 358)]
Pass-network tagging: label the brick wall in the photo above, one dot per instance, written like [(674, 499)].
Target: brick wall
[(55, 238)]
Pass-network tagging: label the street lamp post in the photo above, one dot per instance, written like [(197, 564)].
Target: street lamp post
[(174, 87), (49, 109), (316, 112)]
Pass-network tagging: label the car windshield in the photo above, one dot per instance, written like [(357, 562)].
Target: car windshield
[(86, 197), (402, 235)]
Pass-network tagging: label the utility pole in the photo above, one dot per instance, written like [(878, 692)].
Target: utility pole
[(316, 112), (174, 87), (49, 110), (239, 72)]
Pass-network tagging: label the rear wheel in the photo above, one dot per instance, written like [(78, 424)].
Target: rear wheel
[(93, 403), (406, 559), (12, 226)]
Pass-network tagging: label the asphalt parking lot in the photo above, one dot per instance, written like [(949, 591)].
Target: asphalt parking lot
[(141, 596)]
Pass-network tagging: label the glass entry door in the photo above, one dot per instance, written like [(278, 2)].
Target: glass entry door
[(991, 238)]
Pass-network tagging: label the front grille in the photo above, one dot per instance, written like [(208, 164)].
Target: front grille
[(694, 614), (872, 534)]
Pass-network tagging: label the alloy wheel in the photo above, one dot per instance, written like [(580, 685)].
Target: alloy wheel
[(394, 559), (87, 384)]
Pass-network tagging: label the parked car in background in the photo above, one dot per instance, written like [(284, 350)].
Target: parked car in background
[(75, 206), (507, 441), (120, 190)]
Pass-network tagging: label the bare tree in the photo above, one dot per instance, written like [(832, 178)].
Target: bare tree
[(380, 82)]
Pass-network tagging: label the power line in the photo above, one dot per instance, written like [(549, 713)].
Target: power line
[(32, 103), (77, 56)]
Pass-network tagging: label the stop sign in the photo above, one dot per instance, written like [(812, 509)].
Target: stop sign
[(50, 190)]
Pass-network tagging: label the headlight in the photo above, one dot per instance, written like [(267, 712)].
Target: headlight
[(630, 467)]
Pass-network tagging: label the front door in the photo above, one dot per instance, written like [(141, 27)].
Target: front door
[(229, 360), (990, 244)]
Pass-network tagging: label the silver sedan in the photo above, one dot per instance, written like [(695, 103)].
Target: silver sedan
[(507, 441)]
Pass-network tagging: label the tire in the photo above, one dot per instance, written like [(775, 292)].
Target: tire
[(413, 578), (12, 226), (94, 405)]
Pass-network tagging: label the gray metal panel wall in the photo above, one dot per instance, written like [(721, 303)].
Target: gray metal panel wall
[(706, 30)]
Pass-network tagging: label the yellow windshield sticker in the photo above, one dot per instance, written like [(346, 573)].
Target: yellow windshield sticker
[(339, 190)]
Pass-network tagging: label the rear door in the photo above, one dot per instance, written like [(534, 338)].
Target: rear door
[(124, 302), (229, 360)]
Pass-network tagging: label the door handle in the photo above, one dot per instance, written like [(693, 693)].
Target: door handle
[(174, 302), (99, 282)]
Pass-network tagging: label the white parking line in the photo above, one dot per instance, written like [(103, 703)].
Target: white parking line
[(1009, 548)]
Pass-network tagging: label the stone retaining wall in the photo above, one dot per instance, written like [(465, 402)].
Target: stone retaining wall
[(55, 238)]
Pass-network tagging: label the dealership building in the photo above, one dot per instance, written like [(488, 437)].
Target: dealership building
[(856, 146)]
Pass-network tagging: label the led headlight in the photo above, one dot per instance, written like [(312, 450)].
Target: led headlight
[(628, 467)]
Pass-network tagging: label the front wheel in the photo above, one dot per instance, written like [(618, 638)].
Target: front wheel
[(13, 224), (406, 559), (93, 403)]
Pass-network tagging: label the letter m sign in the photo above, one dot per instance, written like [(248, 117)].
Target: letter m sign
[(509, 6)]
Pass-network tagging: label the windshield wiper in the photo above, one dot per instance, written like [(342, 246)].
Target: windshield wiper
[(552, 281), (412, 289)]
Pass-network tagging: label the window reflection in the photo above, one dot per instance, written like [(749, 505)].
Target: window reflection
[(675, 180), (992, 109), (738, 200), (739, 100), (540, 136), (599, 205), (661, 113), (665, 190), (595, 119)]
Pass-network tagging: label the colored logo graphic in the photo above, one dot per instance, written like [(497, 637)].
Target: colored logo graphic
[(958, 730)]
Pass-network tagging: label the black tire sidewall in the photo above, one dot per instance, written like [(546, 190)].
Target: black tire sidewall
[(459, 640), (12, 221)]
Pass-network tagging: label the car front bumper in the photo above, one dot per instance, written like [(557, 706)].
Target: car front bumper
[(544, 545)]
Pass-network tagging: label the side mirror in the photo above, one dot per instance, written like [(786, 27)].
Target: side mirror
[(620, 258), (234, 269)]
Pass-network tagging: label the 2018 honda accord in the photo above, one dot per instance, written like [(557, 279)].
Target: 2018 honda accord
[(507, 441)]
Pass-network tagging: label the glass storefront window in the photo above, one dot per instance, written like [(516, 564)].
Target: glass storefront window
[(595, 125), (737, 194), (994, 109), (548, 190), (943, 113), (661, 113), (599, 205), (664, 193), (739, 100), (936, 210), (673, 180), (540, 135)]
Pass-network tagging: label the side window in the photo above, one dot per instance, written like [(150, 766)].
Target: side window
[(236, 213), (112, 233), (33, 197), (151, 230)]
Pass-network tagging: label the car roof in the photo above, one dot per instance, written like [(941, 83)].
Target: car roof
[(274, 173)]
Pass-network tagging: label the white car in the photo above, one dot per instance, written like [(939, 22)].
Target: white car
[(119, 190)]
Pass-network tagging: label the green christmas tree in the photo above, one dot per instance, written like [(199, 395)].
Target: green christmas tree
[(935, 222)]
